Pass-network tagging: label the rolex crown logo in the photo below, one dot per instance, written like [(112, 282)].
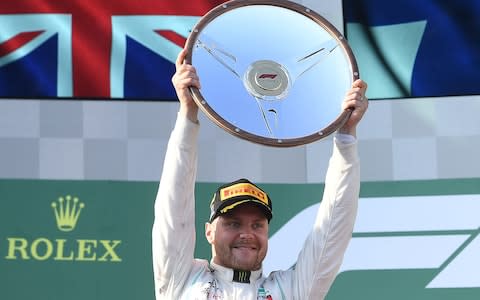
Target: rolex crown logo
[(67, 212)]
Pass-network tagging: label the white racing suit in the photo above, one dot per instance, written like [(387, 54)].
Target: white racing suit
[(179, 276)]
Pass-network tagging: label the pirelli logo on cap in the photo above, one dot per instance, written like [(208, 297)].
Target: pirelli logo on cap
[(243, 189)]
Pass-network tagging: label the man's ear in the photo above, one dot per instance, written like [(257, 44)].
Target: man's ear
[(210, 232)]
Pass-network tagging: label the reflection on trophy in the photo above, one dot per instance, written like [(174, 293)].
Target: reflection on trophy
[(272, 72)]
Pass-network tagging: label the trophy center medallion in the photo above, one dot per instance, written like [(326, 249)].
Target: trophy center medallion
[(266, 78)]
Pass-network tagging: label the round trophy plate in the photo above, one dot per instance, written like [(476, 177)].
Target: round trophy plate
[(272, 72)]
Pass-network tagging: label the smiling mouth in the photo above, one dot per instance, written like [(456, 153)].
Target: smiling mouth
[(245, 247)]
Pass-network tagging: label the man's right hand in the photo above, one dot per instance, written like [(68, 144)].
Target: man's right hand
[(185, 77)]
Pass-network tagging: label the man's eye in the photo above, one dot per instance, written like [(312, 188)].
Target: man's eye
[(257, 225), (234, 224)]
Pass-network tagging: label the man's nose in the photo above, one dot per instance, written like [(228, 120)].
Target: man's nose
[(246, 233)]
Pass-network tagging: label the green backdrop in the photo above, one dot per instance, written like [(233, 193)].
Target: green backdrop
[(107, 255)]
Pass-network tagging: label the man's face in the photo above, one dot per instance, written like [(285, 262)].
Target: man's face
[(239, 238)]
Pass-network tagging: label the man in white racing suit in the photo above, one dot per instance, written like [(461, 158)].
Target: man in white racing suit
[(241, 211)]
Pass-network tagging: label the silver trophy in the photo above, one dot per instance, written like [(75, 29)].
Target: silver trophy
[(272, 72)]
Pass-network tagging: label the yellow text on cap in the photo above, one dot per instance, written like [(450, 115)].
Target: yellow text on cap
[(243, 189)]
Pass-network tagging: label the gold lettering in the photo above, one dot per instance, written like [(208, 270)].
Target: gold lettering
[(43, 249), (60, 251), (14, 247), (109, 250), (86, 247), (48, 249)]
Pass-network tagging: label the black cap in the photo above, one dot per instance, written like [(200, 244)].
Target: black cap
[(230, 195)]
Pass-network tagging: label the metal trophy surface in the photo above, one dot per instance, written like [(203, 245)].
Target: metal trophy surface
[(272, 72)]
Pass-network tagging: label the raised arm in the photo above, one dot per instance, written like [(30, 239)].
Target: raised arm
[(173, 233), (323, 251)]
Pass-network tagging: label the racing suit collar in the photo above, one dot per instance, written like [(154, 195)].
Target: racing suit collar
[(231, 275)]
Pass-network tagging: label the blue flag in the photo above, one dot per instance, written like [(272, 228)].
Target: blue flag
[(412, 48)]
